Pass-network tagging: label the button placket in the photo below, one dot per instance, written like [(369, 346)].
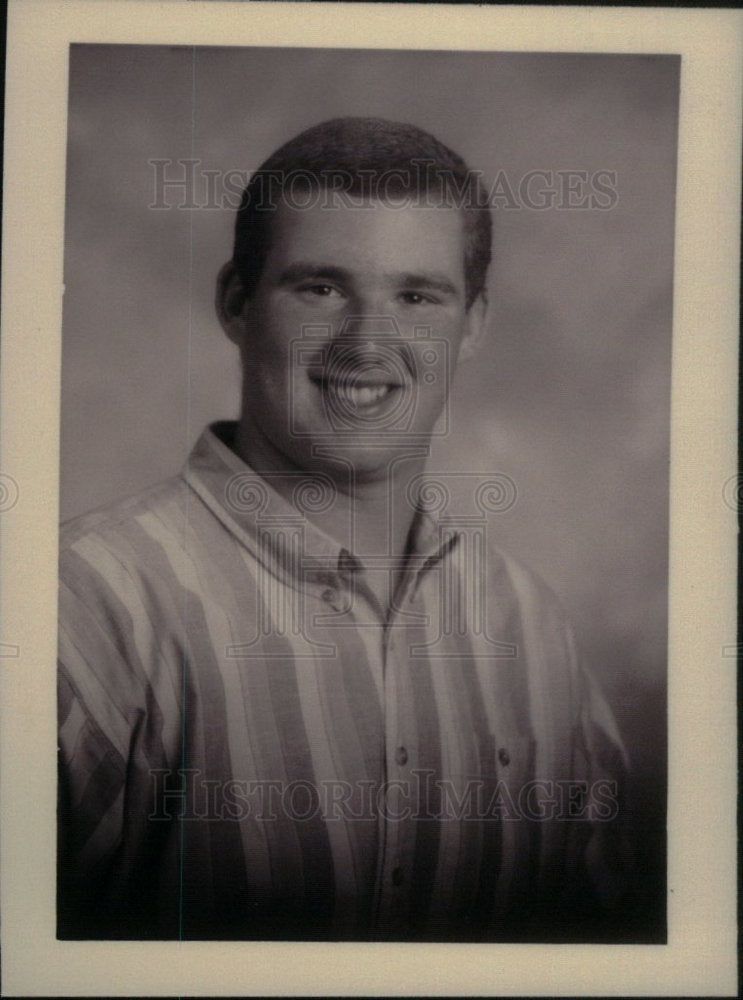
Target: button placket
[(400, 807)]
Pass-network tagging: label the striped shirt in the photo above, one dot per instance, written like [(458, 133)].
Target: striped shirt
[(250, 749)]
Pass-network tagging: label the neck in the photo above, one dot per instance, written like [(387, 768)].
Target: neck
[(371, 514)]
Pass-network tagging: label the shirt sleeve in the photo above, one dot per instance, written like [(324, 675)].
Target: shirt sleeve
[(580, 857), (109, 745), (91, 788), (608, 852), (604, 866)]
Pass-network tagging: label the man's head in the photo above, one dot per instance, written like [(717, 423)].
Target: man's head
[(357, 282), (368, 157)]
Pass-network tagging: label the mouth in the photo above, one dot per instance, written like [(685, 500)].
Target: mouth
[(357, 394)]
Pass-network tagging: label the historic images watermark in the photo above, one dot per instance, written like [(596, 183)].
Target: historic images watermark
[(331, 598), (188, 185), (9, 492), (370, 377), (187, 794), (732, 493)]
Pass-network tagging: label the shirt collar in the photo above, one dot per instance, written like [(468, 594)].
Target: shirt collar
[(277, 533)]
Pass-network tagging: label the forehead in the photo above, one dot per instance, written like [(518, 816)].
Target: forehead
[(369, 232)]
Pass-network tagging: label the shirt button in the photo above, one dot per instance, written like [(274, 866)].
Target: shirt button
[(401, 756), (397, 876), (504, 757)]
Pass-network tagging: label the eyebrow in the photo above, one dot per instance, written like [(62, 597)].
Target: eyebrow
[(407, 279), (301, 272), (432, 280)]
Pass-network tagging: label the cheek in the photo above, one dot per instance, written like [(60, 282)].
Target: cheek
[(437, 354), (268, 349)]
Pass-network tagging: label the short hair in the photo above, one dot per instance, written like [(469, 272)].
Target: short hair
[(369, 157)]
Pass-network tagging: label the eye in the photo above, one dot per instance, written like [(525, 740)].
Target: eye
[(320, 290), (416, 298)]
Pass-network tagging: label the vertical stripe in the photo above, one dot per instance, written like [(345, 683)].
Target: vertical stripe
[(347, 876), (423, 709), (317, 864)]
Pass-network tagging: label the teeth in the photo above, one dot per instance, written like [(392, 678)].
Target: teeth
[(361, 395)]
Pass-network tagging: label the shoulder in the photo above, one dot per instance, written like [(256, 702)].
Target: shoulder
[(120, 522), (558, 668), (514, 582), (119, 609), (122, 553), (525, 610)]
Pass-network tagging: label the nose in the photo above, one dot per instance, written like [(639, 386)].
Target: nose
[(369, 327), (373, 341)]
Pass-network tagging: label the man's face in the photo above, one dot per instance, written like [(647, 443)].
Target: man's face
[(350, 339)]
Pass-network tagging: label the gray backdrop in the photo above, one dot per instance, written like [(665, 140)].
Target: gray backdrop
[(570, 396)]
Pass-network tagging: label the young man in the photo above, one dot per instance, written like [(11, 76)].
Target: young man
[(299, 698)]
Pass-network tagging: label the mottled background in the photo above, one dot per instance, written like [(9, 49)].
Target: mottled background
[(570, 397)]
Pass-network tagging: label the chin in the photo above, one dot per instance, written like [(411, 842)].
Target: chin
[(370, 462)]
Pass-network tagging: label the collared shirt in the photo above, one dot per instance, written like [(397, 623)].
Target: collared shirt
[(251, 748)]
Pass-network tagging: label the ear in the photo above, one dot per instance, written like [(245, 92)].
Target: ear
[(229, 302), (475, 328)]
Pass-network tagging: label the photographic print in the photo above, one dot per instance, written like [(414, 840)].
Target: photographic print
[(366, 636), (368, 500)]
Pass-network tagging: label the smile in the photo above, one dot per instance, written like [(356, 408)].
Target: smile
[(357, 394), (361, 395)]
